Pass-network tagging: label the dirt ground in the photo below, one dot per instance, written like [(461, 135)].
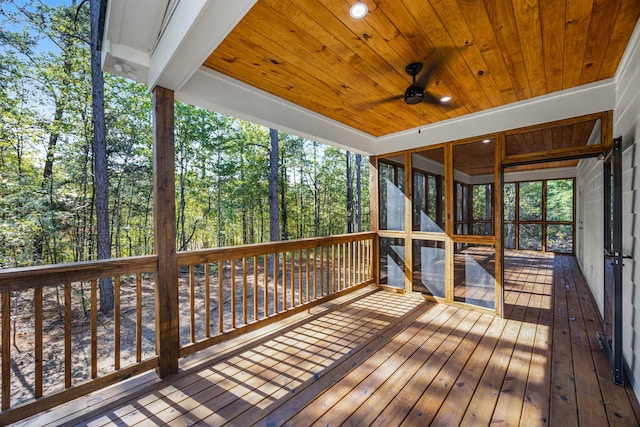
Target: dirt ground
[(22, 331)]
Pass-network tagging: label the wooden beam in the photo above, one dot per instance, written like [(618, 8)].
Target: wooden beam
[(164, 215), (555, 155), (606, 130)]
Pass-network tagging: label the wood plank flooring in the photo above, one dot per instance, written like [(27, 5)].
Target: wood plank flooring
[(387, 359)]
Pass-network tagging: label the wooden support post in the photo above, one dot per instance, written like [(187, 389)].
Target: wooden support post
[(498, 221), (408, 220), (449, 219), (374, 201), (164, 214)]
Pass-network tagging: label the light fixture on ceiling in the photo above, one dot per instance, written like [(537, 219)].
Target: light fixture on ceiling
[(445, 99), (358, 10), (122, 67), (486, 141), (126, 69)]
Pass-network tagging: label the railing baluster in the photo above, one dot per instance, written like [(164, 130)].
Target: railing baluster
[(244, 291), (365, 254), (192, 303), (94, 328), (345, 264), (67, 334), (337, 267), (6, 350), (307, 273), (357, 254), (293, 279), (332, 284), (342, 253), (207, 300), (138, 317), (220, 297), (360, 261), (255, 288), (284, 281), (300, 277), (233, 293), (370, 260), (322, 271), (346, 255), (276, 264), (315, 272), (352, 263), (265, 273), (37, 301), (116, 323)]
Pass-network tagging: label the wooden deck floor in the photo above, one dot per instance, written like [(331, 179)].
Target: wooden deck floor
[(389, 359)]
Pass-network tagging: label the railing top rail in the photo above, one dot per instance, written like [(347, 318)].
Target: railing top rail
[(225, 253), (22, 278)]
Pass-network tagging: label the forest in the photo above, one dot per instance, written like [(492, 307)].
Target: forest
[(47, 176)]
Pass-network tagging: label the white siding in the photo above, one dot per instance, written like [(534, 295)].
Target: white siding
[(626, 119), (591, 236)]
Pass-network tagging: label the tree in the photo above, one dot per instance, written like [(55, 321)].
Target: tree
[(274, 218), (358, 192), (101, 177), (349, 193)]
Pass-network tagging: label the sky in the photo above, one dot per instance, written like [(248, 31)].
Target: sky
[(44, 43)]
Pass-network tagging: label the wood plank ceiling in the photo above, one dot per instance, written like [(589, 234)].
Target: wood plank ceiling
[(477, 158), (312, 53)]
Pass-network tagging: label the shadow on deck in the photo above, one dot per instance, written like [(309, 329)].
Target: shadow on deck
[(379, 358)]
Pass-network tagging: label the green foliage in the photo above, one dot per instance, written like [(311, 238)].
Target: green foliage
[(530, 208), (222, 163), (560, 200)]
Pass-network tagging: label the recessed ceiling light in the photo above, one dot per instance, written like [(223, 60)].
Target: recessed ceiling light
[(358, 10), (486, 141), (445, 99)]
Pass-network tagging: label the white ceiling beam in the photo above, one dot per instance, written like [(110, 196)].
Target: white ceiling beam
[(574, 102), (194, 30), (217, 92)]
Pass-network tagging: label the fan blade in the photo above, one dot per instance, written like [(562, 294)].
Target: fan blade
[(384, 101), (437, 59)]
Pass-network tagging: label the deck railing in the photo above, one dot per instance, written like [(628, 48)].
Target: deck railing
[(229, 291), (57, 346), (54, 339)]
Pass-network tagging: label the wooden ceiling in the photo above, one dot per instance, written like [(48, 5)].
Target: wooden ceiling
[(313, 54), (477, 158), (571, 135)]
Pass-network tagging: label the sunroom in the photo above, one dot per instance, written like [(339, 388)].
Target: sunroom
[(497, 281)]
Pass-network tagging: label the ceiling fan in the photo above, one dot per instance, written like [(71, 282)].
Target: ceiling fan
[(417, 93)]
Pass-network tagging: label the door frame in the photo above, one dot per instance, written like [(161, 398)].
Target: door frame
[(611, 339)]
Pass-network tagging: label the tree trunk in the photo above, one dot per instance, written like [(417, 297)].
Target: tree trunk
[(274, 217), (183, 202), (101, 180), (283, 203), (302, 218), (349, 194), (274, 220), (219, 202), (316, 193), (358, 193)]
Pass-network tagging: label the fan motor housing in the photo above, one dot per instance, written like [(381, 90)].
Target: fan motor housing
[(413, 95)]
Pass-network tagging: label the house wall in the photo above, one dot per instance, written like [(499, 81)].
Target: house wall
[(626, 117)]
